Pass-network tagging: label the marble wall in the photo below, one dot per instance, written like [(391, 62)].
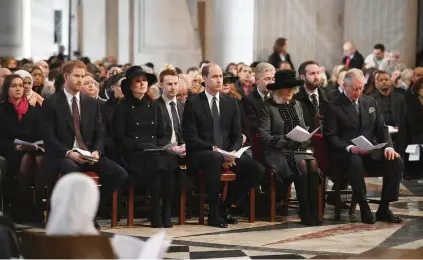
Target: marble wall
[(42, 29)]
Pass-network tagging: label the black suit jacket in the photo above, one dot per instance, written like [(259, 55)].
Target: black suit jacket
[(275, 60), (357, 62), (309, 111), (252, 106), (334, 94), (342, 124), (411, 128), (59, 128), (399, 107), (197, 126), (168, 121)]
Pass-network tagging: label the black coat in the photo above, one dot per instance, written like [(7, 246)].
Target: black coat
[(140, 125), (342, 124), (334, 94), (198, 124), (27, 129), (59, 128), (357, 62), (275, 60), (107, 111), (167, 117), (411, 128), (399, 107), (309, 112), (252, 105)]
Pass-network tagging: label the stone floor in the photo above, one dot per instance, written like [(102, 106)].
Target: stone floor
[(287, 239)]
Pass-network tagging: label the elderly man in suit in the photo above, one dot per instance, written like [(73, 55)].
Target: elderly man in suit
[(73, 120), (352, 115), (212, 123), (352, 58)]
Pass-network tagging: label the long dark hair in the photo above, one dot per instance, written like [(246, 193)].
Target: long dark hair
[(7, 84)]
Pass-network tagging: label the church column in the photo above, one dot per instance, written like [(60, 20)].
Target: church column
[(233, 32)]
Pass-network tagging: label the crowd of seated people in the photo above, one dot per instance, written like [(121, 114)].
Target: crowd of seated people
[(130, 126)]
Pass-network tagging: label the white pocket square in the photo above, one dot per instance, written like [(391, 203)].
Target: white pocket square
[(371, 110)]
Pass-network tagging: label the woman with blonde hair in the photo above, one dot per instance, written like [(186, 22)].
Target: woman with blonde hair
[(293, 161)]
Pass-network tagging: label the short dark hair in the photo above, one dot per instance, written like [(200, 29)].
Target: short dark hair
[(7, 84), (192, 69), (150, 65), (254, 64), (380, 47), (178, 70), (303, 66), (378, 72), (418, 85), (202, 62), (59, 82)]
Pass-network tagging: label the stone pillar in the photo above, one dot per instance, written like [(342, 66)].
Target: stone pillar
[(124, 16), (233, 35), (112, 28), (15, 28), (94, 29)]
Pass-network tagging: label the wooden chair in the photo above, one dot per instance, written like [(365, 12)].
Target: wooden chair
[(115, 196), (39, 246)]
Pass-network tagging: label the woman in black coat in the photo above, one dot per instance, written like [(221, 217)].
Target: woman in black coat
[(19, 120), (139, 125), (280, 54)]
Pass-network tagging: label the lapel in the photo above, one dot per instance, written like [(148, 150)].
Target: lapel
[(180, 107), (84, 112), (165, 112), (256, 96), (65, 109), (223, 103), (206, 105), (394, 107), (364, 111), (349, 109)]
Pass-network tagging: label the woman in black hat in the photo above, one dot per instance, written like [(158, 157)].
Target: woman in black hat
[(287, 157), (139, 125)]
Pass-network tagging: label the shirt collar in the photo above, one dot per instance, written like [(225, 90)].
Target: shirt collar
[(261, 94), (341, 89), (309, 93), (69, 96), (167, 101), (355, 101), (210, 97)]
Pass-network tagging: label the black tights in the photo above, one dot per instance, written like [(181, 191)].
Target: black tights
[(162, 187), (30, 172)]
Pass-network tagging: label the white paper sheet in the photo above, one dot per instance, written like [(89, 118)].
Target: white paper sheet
[(237, 154), (24, 143), (392, 130), (365, 144), (299, 134), (414, 152)]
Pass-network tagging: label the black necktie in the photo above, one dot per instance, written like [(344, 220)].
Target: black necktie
[(315, 102), (216, 124), (77, 125), (175, 120)]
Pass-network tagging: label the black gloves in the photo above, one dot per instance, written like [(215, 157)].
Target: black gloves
[(291, 145), (305, 145)]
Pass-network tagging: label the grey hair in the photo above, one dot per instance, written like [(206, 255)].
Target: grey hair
[(351, 75)]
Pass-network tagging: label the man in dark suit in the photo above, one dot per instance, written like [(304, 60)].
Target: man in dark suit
[(391, 103), (352, 115), (172, 109), (312, 97), (352, 58), (211, 124), (73, 120), (265, 74)]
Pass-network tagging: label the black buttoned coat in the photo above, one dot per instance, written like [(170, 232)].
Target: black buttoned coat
[(139, 125)]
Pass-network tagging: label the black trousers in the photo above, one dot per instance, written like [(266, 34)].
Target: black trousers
[(356, 166), (249, 174), (112, 175)]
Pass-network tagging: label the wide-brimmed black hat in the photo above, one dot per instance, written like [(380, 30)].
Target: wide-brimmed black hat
[(285, 79), (133, 72), (113, 79), (228, 76)]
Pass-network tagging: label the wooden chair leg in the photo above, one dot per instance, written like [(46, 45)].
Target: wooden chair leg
[(353, 206), (202, 188), (182, 205), (252, 215), (321, 199), (325, 187), (115, 202), (272, 190), (130, 221), (285, 206), (338, 199), (225, 191)]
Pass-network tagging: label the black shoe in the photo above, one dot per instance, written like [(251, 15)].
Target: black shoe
[(367, 217), (167, 223), (230, 220), (219, 223), (96, 225), (387, 216)]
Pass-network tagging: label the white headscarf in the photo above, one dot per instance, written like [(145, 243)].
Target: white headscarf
[(127, 247), (25, 74), (74, 205)]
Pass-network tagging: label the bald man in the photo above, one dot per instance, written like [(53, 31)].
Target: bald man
[(352, 58)]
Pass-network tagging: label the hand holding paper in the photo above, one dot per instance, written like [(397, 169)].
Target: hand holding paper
[(299, 134), (233, 156), (364, 144)]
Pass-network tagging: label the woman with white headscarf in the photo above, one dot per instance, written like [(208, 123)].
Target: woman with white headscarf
[(33, 97), (74, 204)]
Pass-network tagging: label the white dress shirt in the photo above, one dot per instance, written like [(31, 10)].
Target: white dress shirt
[(169, 111), (309, 93), (69, 98), (261, 94), (341, 89), (210, 99)]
